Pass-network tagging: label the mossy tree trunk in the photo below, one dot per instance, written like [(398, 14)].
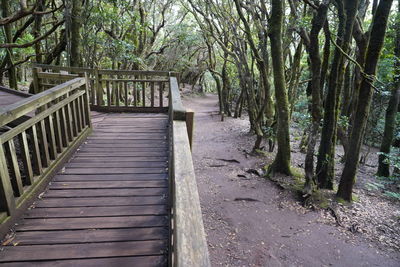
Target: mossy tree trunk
[(391, 111), (364, 99), (312, 45), (347, 10), (281, 163), (12, 74)]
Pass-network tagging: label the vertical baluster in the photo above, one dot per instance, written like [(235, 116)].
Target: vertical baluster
[(152, 93), (108, 93), (99, 87), (26, 159), (116, 86), (16, 180), (86, 105), (82, 110), (7, 202), (52, 141), (79, 114), (161, 85), (144, 93), (44, 148), (134, 94), (58, 133), (126, 93), (36, 158), (74, 118), (92, 91), (70, 127)]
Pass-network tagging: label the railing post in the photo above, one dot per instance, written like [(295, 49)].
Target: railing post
[(190, 126), (99, 88), (86, 101), (6, 191)]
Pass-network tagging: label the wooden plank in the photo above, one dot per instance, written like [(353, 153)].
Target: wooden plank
[(89, 236), (111, 177), (56, 76), (127, 154), (16, 180), (81, 251), (26, 159), (149, 261), (108, 192), (133, 130), (84, 158), (116, 164), (130, 142), (92, 223), (113, 170), (128, 145), (77, 212), (109, 184), (100, 201), (130, 109)]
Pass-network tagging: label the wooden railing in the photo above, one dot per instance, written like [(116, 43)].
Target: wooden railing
[(114, 90), (33, 151), (189, 245)]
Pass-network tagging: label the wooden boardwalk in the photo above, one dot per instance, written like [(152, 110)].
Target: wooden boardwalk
[(108, 207)]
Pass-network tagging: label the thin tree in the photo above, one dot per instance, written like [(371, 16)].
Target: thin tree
[(281, 163)]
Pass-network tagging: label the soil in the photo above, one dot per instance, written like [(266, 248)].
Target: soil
[(252, 221)]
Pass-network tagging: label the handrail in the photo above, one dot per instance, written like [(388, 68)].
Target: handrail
[(189, 245), (35, 149), (113, 90)]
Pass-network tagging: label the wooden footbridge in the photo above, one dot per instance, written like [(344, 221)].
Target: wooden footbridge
[(99, 173)]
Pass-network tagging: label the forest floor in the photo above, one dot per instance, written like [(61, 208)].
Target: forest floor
[(253, 221)]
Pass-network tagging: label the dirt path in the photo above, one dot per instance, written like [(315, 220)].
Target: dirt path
[(249, 221)]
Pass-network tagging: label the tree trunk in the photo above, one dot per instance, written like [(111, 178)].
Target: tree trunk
[(326, 155), (74, 33), (364, 99), (281, 163), (391, 111), (12, 74), (315, 61)]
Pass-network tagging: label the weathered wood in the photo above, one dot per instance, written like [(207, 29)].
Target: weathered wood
[(16, 180), (175, 102), (26, 159), (27, 105), (36, 158), (109, 184), (190, 246), (112, 177), (190, 126), (7, 202), (92, 236), (101, 202), (81, 251), (150, 261), (114, 192), (56, 76), (113, 170)]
